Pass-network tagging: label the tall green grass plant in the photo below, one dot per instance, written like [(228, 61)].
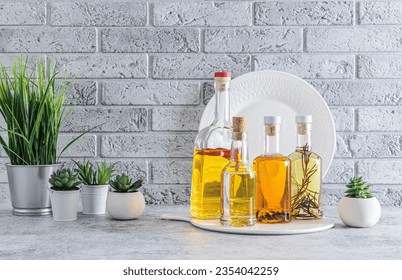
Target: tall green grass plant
[(32, 107)]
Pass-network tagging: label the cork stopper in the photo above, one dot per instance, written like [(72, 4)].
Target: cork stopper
[(304, 124), (272, 125), (272, 129), (303, 128), (239, 127), (222, 80)]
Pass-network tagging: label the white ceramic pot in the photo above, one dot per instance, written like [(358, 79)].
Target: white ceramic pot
[(94, 199), (65, 205), (359, 212), (125, 206)]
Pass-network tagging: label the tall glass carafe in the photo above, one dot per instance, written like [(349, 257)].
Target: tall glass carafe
[(211, 155), (306, 174), (273, 178), (238, 182)]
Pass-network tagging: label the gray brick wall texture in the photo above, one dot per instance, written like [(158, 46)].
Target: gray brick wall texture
[(143, 70)]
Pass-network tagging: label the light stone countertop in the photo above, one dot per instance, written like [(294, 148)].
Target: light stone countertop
[(149, 237)]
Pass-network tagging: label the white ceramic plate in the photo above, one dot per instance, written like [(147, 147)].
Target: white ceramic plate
[(262, 93), (294, 227)]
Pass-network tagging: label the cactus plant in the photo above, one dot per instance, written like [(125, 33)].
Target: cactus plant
[(64, 180), (357, 188), (123, 183), (91, 175)]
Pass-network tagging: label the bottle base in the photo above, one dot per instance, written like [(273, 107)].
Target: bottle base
[(204, 216), (312, 215), (271, 217), (238, 221), (206, 210)]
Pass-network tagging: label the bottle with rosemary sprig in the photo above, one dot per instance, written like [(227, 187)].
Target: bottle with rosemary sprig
[(306, 175)]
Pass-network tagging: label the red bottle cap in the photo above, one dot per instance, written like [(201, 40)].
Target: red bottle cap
[(222, 74)]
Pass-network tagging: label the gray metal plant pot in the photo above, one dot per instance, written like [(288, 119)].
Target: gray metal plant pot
[(29, 188)]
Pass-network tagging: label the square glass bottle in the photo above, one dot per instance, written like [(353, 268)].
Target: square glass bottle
[(211, 155), (273, 178), (306, 174)]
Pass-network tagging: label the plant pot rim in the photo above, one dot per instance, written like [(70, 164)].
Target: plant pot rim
[(125, 192), (95, 186), (32, 166), (358, 198), (65, 191)]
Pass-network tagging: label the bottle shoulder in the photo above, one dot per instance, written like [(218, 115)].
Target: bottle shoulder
[(273, 157), (299, 154), (214, 137), (238, 167)]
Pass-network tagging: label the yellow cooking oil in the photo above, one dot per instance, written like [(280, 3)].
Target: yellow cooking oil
[(206, 182)]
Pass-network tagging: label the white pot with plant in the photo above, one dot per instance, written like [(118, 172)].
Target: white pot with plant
[(359, 208), (125, 202), (32, 107), (95, 186), (65, 195)]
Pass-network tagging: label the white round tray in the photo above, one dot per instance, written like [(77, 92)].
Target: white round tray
[(294, 227)]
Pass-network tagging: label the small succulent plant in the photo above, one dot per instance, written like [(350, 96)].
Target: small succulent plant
[(64, 180), (92, 175), (123, 183), (357, 188)]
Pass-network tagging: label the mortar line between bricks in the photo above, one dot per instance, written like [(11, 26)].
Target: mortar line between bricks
[(133, 106), (146, 133), (99, 94), (253, 14), (202, 41), (210, 54), (150, 66), (363, 106), (364, 25), (336, 185), (98, 147), (211, 79), (150, 14), (356, 119), (367, 133), (256, 27), (356, 169), (98, 38), (372, 159), (193, 133), (356, 13), (48, 13), (355, 66)]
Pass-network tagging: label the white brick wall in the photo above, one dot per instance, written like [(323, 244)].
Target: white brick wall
[(143, 71)]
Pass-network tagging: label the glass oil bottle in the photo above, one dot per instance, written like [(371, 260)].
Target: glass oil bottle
[(306, 175), (238, 182), (211, 155), (273, 183)]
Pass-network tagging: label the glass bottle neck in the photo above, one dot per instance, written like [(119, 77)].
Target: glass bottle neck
[(303, 141), (272, 139), (271, 144), (239, 151), (222, 114), (303, 137)]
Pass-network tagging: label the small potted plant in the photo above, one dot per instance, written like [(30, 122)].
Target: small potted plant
[(95, 186), (125, 202), (359, 208), (31, 104), (64, 194)]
